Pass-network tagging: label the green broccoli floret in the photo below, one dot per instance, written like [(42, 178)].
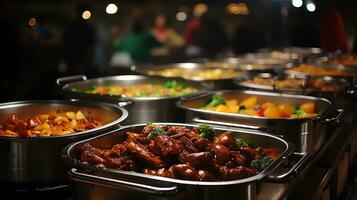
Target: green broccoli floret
[(172, 84), (143, 94), (261, 163), (111, 89), (156, 132), (299, 112), (206, 131), (240, 142), (76, 90), (216, 100)]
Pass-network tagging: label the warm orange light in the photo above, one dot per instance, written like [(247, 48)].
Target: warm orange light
[(32, 21), (199, 9), (86, 14), (237, 9)]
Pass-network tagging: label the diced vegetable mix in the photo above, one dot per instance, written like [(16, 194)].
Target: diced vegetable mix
[(169, 88), (47, 124), (251, 106)]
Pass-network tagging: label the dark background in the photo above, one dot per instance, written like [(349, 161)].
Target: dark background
[(33, 55)]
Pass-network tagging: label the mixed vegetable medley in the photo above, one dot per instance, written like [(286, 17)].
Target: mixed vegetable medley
[(168, 89), (197, 74), (48, 124), (252, 107)]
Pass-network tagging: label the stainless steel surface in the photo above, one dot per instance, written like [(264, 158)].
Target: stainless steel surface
[(38, 160), (241, 189), (306, 133), (225, 83), (141, 110), (62, 81), (120, 184)]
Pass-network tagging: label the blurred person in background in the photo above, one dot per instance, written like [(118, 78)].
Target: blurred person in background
[(190, 35), (79, 41), (333, 33), (167, 36), (170, 39), (135, 47)]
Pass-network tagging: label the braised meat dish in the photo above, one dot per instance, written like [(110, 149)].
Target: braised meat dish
[(197, 154)]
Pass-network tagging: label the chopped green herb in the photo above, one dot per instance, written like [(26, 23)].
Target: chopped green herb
[(240, 142), (156, 132), (206, 131), (261, 163)]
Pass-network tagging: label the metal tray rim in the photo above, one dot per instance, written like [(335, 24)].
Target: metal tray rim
[(179, 104), (122, 117), (288, 149), (124, 98)]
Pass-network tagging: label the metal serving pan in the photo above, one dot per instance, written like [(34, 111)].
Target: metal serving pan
[(350, 77), (338, 96), (142, 109), (294, 52), (96, 183), (334, 59), (258, 62), (213, 84), (37, 160), (306, 133)]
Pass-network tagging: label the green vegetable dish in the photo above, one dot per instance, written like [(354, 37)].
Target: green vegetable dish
[(167, 89)]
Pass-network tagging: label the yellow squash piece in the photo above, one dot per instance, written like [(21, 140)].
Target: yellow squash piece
[(249, 103), (308, 107), (267, 105), (285, 110), (271, 112)]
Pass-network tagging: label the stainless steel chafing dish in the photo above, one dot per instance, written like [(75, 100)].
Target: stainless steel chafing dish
[(96, 183), (259, 62), (337, 89), (306, 133), (294, 52), (350, 74), (196, 72), (141, 109), (31, 161)]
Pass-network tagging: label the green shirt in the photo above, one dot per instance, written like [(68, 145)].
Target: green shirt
[(138, 45)]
